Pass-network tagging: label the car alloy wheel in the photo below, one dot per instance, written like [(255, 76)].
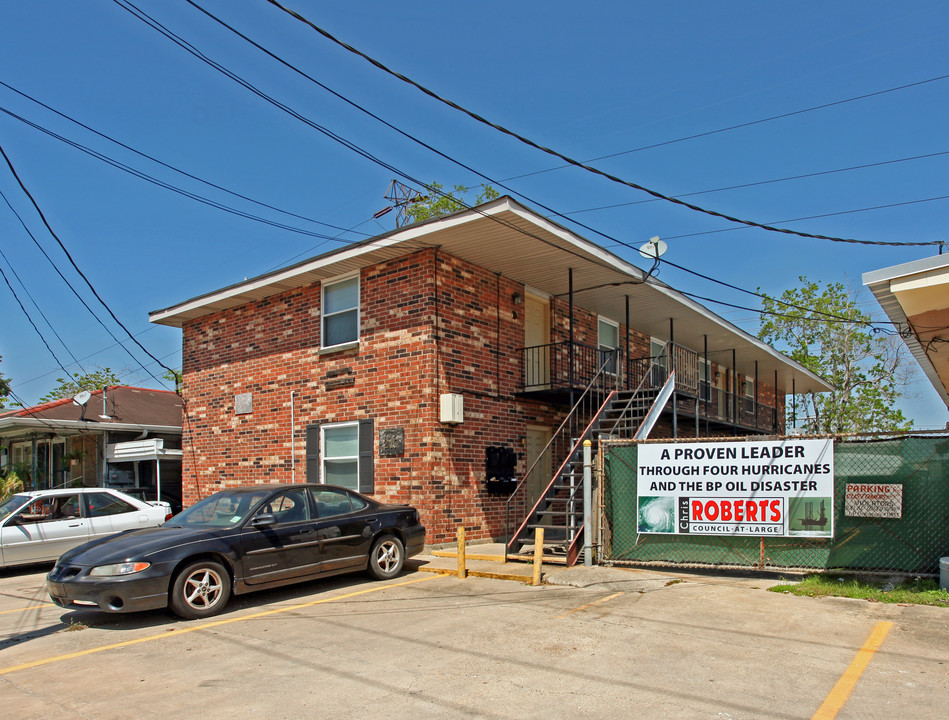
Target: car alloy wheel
[(386, 558), (201, 590)]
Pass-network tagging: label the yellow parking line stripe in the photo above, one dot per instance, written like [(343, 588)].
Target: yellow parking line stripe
[(589, 605), (24, 609), (844, 687), (204, 626)]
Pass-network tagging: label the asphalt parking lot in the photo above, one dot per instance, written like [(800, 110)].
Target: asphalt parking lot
[(623, 644)]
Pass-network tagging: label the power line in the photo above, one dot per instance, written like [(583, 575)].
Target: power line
[(169, 166), (76, 267), (765, 182), (571, 161), (940, 243), (154, 24), (187, 46), (742, 125), (420, 142), (160, 183), (33, 324), (27, 290)]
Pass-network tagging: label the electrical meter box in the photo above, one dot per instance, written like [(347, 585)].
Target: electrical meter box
[(452, 409)]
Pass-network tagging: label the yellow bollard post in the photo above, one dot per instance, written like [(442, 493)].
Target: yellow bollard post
[(538, 555), (462, 572)]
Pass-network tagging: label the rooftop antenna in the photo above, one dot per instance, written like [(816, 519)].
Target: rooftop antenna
[(653, 250), (401, 196), (81, 399)]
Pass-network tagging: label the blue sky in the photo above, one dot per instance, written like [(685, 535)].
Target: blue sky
[(589, 80)]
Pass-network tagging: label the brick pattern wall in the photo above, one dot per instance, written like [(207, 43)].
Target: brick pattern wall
[(415, 344)]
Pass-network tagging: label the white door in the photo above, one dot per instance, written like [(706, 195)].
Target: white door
[(536, 439), (536, 342)]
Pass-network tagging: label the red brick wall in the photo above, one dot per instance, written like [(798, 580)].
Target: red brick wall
[(415, 344)]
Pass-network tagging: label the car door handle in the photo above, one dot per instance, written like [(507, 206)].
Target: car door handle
[(79, 524)]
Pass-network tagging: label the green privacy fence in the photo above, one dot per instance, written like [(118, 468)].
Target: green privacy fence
[(910, 543)]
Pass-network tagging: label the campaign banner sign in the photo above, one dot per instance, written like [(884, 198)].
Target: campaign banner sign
[(771, 488)]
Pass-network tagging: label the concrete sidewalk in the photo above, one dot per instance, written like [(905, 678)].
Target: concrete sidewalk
[(487, 560)]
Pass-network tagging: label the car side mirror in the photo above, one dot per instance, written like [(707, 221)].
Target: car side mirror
[(264, 520)]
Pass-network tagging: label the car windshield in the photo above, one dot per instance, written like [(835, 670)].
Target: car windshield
[(11, 505), (222, 510)]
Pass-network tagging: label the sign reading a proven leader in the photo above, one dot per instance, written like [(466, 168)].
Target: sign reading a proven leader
[(768, 488)]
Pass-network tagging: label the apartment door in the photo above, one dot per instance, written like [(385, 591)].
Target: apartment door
[(536, 342), (537, 438)]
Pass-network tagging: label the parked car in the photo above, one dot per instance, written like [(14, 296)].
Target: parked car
[(40, 525), (148, 494), (237, 541)]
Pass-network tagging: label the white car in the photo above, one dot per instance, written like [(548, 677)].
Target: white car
[(41, 525)]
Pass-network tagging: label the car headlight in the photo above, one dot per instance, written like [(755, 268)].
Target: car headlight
[(125, 568)]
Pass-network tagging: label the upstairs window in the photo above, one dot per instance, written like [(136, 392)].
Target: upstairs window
[(340, 312)]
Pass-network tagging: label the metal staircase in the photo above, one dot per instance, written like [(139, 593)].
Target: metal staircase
[(555, 504)]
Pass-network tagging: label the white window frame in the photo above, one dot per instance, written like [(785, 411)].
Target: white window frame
[(324, 456), (327, 284), (605, 348)]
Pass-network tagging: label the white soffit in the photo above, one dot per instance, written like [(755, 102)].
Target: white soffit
[(507, 238), (913, 282)]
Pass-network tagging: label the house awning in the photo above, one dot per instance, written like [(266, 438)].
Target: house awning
[(138, 450)]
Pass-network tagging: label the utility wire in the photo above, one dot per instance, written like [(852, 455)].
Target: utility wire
[(571, 161), (765, 182), (67, 282), (186, 46), (167, 165), (33, 324), (160, 183), (151, 22), (155, 25), (941, 243), (420, 142), (27, 290), (743, 125), (80, 273)]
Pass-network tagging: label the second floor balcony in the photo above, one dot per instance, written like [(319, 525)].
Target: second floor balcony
[(555, 371)]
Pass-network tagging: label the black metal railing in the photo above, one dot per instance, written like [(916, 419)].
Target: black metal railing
[(563, 444), (563, 366)]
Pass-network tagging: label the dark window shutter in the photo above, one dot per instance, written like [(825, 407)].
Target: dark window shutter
[(313, 453), (365, 456)]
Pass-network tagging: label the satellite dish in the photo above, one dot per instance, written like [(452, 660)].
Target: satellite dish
[(653, 249), (82, 398)]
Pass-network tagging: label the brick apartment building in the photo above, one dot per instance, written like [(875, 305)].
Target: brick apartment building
[(413, 365)]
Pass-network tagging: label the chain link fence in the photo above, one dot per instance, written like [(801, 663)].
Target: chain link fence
[(891, 513)]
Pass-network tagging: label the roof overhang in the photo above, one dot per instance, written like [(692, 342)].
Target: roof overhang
[(508, 238), (915, 296), (12, 427)]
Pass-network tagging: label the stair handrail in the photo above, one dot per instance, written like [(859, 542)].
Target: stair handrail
[(587, 432), (626, 408), (595, 383)]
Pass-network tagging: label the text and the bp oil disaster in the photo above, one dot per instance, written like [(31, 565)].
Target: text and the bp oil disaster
[(767, 488)]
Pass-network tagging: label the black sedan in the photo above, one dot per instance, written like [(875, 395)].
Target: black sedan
[(238, 541)]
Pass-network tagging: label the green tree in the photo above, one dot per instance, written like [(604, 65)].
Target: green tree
[(867, 368), (4, 390), (173, 376), (100, 378), (438, 202)]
